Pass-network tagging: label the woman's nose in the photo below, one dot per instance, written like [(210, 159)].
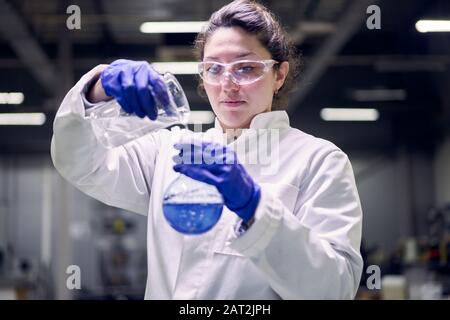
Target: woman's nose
[(228, 83)]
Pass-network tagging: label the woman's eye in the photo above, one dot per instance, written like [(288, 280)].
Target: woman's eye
[(245, 69), (214, 69)]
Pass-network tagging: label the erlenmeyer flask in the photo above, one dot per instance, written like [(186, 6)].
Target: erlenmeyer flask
[(114, 127), (191, 206)]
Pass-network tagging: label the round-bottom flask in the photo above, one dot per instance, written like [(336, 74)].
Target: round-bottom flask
[(191, 206)]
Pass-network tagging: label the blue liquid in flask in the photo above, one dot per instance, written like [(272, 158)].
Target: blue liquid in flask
[(192, 207), (192, 218)]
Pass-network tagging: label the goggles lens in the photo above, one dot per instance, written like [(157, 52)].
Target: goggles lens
[(241, 72)]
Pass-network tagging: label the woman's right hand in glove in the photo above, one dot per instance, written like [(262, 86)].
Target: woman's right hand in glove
[(129, 83)]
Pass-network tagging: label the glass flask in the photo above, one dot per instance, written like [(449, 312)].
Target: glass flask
[(114, 127), (192, 207)]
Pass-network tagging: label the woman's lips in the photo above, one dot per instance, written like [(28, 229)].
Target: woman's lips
[(233, 103)]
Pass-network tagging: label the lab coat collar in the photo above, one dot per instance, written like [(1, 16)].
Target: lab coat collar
[(267, 120)]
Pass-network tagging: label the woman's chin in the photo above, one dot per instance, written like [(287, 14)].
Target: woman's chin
[(233, 122)]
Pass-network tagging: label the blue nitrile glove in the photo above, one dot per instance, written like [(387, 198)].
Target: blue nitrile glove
[(216, 164), (129, 81)]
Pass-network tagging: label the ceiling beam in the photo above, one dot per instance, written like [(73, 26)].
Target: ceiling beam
[(14, 30), (297, 36), (345, 28)]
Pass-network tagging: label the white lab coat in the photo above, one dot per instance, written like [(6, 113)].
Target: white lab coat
[(303, 244)]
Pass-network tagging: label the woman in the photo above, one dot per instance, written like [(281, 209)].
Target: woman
[(292, 233)]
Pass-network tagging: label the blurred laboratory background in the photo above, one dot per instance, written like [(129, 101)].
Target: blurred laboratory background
[(375, 81)]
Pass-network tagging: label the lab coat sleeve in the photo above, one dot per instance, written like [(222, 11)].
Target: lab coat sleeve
[(119, 177), (313, 252)]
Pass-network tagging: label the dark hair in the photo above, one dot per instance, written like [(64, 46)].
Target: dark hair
[(257, 20)]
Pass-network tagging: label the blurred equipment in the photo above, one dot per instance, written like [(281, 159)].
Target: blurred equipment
[(122, 260), (393, 287), (439, 239)]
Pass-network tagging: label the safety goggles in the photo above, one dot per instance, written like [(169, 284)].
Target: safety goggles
[(241, 72)]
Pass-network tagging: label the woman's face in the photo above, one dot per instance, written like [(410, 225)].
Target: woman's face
[(236, 105)]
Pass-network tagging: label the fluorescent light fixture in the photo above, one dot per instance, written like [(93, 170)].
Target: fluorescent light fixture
[(364, 95), (433, 26), (205, 117), (22, 119), (172, 27), (11, 97), (349, 114), (189, 67)]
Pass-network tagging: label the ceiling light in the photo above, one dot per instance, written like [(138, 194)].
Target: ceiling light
[(176, 67), (22, 119), (433, 26), (172, 27), (11, 97), (349, 114)]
